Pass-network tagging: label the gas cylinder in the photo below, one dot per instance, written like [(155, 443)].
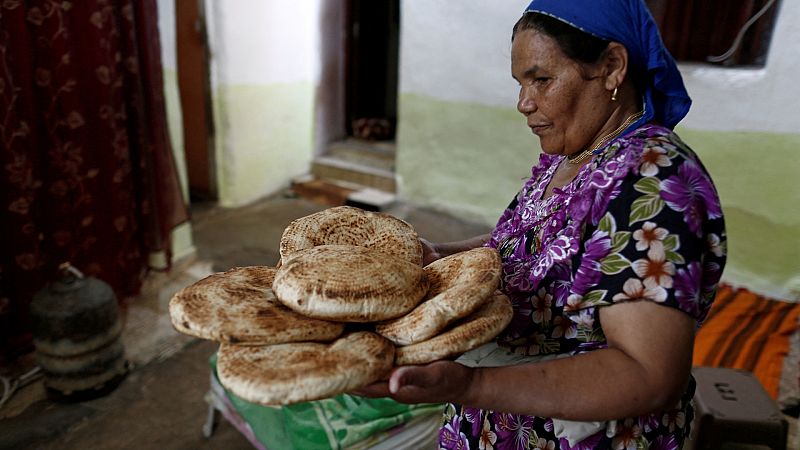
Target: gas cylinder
[(76, 333)]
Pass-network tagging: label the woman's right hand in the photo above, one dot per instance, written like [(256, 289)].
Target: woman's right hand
[(430, 252), (436, 382)]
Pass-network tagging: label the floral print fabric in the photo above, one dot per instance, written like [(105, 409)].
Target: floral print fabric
[(640, 222)]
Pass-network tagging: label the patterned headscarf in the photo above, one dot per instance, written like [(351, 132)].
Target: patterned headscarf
[(630, 23)]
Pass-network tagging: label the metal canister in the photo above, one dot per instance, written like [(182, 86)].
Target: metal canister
[(76, 332)]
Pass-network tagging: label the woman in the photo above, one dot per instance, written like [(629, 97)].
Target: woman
[(611, 251)]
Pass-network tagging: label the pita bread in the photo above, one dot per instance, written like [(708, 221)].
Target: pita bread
[(298, 372), (238, 306), (346, 225), (347, 283), (459, 284), (477, 329)]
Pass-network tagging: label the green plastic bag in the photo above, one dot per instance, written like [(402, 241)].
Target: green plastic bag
[(336, 423)]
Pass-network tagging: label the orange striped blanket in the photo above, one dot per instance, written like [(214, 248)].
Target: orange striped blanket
[(748, 331)]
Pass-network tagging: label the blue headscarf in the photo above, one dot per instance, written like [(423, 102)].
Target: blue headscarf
[(630, 23)]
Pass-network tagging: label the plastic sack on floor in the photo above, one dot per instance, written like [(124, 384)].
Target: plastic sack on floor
[(343, 422)]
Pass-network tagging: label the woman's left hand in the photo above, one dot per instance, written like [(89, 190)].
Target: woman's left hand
[(437, 382)]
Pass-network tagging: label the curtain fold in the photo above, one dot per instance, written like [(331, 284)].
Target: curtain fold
[(87, 171)]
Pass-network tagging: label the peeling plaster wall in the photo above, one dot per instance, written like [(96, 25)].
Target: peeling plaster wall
[(264, 58), (463, 148)]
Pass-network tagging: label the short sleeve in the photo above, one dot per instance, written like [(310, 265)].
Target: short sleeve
[(660, 239)]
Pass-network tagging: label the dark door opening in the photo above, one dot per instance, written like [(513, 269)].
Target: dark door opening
[(372, 49)]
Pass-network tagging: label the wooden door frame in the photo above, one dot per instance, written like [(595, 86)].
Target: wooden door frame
[(191, 33)]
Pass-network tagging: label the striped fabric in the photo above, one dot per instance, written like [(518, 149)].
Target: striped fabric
[(748, 331)]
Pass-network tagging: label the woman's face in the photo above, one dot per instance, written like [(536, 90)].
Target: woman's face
[(565, 107)]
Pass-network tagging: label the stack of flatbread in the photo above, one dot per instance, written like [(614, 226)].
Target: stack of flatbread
[(348, 301)]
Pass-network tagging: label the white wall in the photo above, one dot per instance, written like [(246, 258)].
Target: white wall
[(264, 71), (263, 41), (459, 51), (166, 29)]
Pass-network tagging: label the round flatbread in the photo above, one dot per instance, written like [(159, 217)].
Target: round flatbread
[(347, 283), (459, 284), (298, 372), (475, 330), (238, 306), (347, 225)]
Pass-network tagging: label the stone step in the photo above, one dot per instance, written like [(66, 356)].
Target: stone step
[(378, 155), (324, 192), (328, 167), (336, 193)]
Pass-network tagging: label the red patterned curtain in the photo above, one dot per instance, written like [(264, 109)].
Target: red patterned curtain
[(86, 169)]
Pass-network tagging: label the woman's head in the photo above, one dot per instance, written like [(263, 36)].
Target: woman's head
[(579, 45), (566, 79), (629, 23)]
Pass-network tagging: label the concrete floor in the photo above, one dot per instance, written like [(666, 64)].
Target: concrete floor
[(160, 404)]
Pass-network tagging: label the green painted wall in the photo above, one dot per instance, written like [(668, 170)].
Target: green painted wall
[(466, 159), (470, 160), (263, 138)]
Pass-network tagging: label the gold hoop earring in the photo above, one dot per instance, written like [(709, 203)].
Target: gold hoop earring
[(614, 95)]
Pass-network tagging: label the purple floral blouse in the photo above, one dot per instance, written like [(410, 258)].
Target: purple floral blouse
[(641, 222)]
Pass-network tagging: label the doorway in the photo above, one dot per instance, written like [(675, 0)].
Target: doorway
[(357, 100), (371, 72)]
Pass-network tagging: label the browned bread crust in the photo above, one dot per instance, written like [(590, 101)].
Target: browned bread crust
[(459, 284), (475, 330), (347, 283), (239, 306), (347, 225), (298, 372)]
